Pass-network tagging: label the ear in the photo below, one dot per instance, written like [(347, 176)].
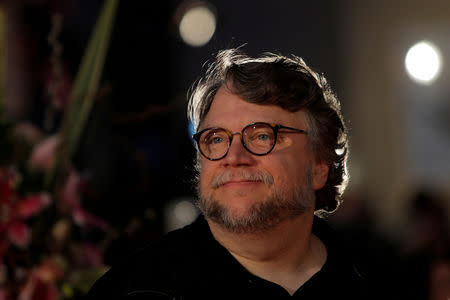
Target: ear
[(320, 174)]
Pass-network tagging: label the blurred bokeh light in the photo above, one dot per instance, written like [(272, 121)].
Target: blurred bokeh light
[(423, 62), (180, 212), (197, 25)]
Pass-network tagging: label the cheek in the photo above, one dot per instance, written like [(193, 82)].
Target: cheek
[(288, 172), (206, 175)]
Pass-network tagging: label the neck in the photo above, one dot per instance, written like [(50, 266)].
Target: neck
[(288, 254)]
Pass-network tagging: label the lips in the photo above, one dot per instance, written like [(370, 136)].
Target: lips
[(241, 178), (240, 182)]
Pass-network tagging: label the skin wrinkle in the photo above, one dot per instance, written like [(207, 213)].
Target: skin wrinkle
[(263, 215), (267, 225), (286, 82)]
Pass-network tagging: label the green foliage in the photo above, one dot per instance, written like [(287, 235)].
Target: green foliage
[(85, 88), (56, 244)]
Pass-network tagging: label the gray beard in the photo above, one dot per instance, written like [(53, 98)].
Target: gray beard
[(263, 215)]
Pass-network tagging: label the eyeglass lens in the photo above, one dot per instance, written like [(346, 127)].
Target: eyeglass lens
[(257, 138)]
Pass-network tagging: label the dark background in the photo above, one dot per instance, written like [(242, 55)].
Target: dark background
[(136, 148)]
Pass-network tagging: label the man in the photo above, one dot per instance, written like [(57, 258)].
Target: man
[(272, 153)]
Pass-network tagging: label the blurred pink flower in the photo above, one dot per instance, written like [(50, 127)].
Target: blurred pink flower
[(41, 281), (69, 195), (43, 154), (4, 295), (28, 131), (37, 289), (19, 233), (49, 271), (14, 212), (6, 184), (83, 218), (31, 205), (70, 191)]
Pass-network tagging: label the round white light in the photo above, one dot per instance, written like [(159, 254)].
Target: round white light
[(423, 62), (197, 26), (179, 212), (185, 212)]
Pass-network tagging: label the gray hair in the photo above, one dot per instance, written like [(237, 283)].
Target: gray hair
[(287, 82)]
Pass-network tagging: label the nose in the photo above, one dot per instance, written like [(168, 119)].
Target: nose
[(237, 154)]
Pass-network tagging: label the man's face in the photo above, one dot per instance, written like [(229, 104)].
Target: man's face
[(247, 193)]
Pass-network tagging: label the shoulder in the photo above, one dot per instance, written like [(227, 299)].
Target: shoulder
[(341, 272), (158, 268)]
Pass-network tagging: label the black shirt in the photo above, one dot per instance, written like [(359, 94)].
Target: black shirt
[(190, 264)]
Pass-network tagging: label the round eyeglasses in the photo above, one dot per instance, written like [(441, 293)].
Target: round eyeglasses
[(257, 138)]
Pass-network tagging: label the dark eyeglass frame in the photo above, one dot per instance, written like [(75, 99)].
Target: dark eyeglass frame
[(275, 128)]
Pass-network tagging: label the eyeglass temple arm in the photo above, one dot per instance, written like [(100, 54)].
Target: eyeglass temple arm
[(291, 128)]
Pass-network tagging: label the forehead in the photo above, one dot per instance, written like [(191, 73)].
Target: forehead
[(230, 111)]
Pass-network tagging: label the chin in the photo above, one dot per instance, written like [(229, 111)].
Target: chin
[(240, 210), (240, 200)]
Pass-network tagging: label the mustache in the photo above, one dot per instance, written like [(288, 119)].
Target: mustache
[(257, 176)]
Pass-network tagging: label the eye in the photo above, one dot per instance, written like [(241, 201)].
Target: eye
[(214, 137), (217, 140), (259, 135), (263, 137)]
